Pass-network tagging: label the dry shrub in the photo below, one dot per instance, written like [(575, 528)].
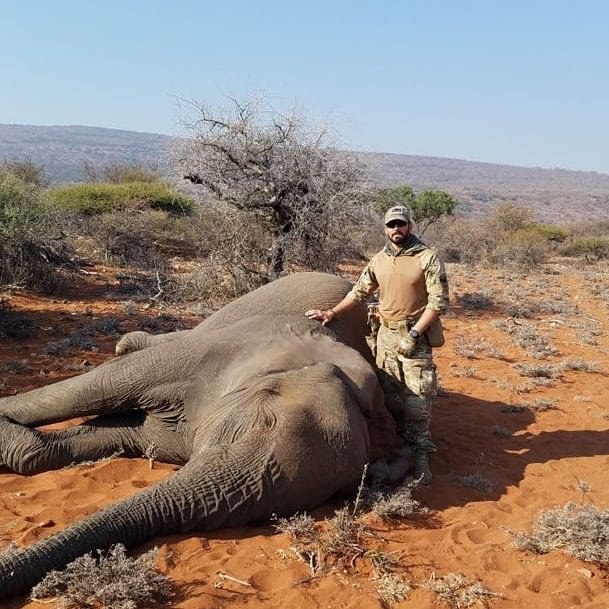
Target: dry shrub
[(112, 581), (32, 251), (235, 260), (458, 591), (527, 337), (300, 527), (13, 324), (580, 531), (540, 405), (580, 365), (589, 247), (508, 238), (523, 250), (392, 503), (475, 301), (390, 587), (477, 481), (337, 543), (118, 173), (239, 251), (145, 239), (547, 371)]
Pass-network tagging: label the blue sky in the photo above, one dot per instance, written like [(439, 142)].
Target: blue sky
[(512, 81)]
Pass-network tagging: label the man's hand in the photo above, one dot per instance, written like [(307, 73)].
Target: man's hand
[(324, 316), (407, 345)]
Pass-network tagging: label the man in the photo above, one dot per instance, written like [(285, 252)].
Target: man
[(413, 292)]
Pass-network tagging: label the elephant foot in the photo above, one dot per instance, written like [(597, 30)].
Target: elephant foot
[(19, 446), (132, 341), (390, 469)]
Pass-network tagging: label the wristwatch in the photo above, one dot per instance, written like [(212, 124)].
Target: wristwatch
[(414, 334)]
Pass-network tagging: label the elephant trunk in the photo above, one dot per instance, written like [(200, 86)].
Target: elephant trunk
[(226, 486)]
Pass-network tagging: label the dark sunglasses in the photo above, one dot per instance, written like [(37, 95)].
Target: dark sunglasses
[(395, 223)]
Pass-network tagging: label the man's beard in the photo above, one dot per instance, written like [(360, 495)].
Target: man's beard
[(397, 239)]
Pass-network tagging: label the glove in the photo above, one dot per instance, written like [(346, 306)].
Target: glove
[(407, 345)]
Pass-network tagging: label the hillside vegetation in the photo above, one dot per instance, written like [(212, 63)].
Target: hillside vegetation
[(559, 196), (177, 249)]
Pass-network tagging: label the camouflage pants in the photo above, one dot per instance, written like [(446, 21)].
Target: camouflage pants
[(409, 385)]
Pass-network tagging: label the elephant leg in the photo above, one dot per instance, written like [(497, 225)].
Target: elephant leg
[(136, 341), (30, 451), (117, 386), (157, 432)]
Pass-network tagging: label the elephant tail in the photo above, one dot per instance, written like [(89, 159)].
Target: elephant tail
[(223, 486)]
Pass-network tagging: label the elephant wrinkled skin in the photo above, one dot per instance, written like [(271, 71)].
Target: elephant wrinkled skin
[(267, 411)]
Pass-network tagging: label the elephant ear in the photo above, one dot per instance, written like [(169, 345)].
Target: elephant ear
[(239, 418)]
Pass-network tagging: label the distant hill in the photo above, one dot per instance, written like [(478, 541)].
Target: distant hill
[(555, 195), (64, 150)]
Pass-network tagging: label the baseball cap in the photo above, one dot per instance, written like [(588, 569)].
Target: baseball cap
[(398, 213)]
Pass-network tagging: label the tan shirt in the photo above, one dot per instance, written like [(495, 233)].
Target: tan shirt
[(408, 281)]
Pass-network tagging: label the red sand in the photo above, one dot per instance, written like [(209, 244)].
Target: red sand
[(536, 462)]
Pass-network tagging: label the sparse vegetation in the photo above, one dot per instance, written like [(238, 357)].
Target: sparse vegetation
[(395, 502), (111, 580), (547, 371), (458, 591), (336, 543), (218, 252), (12, 323), (596, 247), (473, 301), (580, 531), (478, 481), (29, 255), (540, 405), (579, 364)]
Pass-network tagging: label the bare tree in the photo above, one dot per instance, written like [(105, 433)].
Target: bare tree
[(287, 175)]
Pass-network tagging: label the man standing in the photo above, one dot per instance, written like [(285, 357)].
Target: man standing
[(413, 292)]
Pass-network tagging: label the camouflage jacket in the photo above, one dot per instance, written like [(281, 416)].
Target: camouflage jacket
[(436, 283)]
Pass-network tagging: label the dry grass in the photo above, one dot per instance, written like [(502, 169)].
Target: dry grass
[(580, 365), (475, 301), (464, 371), (580, 531), (547, 371), (111, 580), (337, 543), (458, 591), (540, 404), (477, 481), (392, 503)]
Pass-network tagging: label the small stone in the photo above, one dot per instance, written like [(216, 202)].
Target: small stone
[(46, 523)]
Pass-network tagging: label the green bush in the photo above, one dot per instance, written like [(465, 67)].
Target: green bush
[(103, 197), (548, 232), (19, 207), (29, 256), (588, 246)]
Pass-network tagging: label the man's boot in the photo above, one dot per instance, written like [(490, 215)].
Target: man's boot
[(422, 470)]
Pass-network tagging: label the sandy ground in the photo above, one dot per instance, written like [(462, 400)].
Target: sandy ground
[(512, 443)]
